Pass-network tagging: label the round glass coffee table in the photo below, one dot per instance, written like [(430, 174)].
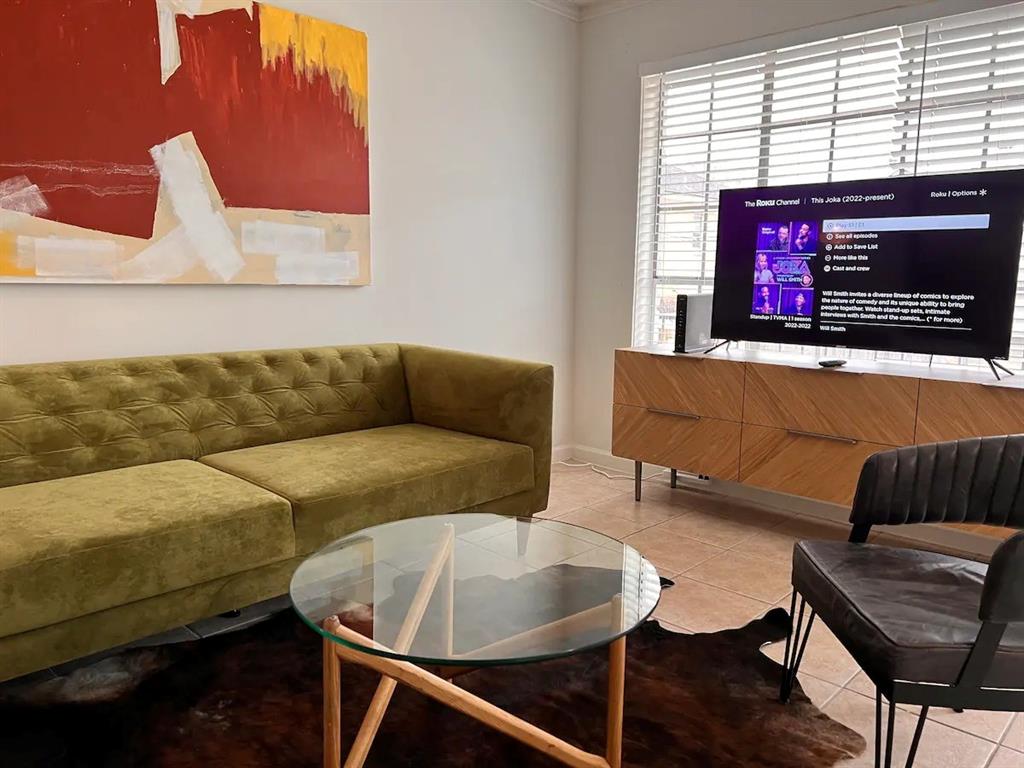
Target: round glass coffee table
[(468, 590)]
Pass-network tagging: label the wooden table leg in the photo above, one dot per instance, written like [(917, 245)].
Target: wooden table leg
[(360, 748), (332, 706), (442, 690), (467, 703), (449, 602), (385, 689), (616, 691)]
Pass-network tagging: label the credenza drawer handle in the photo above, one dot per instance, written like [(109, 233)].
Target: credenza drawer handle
[(834, 438), (680, 414)]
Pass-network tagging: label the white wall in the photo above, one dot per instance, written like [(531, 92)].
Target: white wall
[(613, 46), (473, 109)]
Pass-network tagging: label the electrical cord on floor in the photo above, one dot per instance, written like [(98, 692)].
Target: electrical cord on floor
[(610, 475)]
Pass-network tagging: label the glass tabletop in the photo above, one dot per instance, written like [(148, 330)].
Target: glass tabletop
[(474, 589)]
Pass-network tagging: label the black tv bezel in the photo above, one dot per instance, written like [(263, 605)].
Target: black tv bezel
[(717, 331)]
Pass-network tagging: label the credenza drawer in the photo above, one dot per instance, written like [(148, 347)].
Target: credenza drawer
[(950, 410), (688, 384), (679, 440), (876, 408), (817, 466)]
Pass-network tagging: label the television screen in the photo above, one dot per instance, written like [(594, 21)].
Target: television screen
[(914, 264)]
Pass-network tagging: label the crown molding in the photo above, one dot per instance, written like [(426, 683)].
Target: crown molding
[(606, 7), (585, 11), (566, 8)]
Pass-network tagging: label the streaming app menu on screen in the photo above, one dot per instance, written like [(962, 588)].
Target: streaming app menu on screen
[(926, 263)]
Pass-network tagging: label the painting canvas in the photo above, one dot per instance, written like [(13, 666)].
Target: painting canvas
[(181, 141)]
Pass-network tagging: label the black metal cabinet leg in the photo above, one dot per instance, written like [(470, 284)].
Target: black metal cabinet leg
[(638, 476), (673, 478)]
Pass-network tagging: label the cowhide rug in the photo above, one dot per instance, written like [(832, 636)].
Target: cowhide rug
[(251, 699)]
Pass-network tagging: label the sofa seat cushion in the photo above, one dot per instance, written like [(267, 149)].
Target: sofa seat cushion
[(77, 545), (903, 614), (341, 483)]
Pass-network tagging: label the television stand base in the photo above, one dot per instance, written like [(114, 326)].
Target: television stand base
[(994, 365), (725, 344)]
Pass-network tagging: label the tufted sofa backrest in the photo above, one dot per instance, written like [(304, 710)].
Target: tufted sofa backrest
[(61, 419)]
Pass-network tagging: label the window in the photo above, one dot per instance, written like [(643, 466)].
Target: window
[(935, 97)]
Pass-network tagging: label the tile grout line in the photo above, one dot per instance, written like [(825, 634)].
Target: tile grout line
[(612, 514), (723, 550), (730, 591), (685, 512), (991, 757), (1006, 730), (964, 730), (772, 604), (829, 700)]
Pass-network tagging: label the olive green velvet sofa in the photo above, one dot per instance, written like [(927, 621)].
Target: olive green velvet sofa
[(138, 495)]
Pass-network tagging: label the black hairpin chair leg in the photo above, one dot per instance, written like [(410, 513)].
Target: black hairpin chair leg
[(889, 731), (796, 643), (921, 718), (878, 728)]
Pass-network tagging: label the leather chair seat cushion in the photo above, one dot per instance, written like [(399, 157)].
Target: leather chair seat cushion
[(903, 614), (342, 483), (76, 545)]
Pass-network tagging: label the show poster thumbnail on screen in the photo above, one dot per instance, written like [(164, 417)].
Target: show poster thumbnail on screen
[(924, 264)]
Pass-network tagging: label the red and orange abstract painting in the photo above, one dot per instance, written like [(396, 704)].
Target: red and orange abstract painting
[(181, 141)]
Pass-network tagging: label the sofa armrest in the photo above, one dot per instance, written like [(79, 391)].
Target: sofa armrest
[(486, 396)]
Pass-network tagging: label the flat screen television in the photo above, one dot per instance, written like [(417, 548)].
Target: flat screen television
[(910, 264)]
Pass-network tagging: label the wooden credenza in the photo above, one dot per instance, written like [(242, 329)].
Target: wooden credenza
[(787, 425)]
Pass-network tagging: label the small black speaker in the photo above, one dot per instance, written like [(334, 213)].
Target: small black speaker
[(693, 322)]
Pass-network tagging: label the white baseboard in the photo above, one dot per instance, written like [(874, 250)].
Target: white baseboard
[(561, 453), (951, 539), (584, 453)]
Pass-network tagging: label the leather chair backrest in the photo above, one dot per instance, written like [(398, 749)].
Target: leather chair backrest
[(976, 480), (1002, 600), (62, 419)]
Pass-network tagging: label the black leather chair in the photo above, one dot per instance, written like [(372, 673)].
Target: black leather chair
[(928, 629)]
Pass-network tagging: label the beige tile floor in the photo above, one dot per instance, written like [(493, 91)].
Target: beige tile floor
[(731, 564)]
